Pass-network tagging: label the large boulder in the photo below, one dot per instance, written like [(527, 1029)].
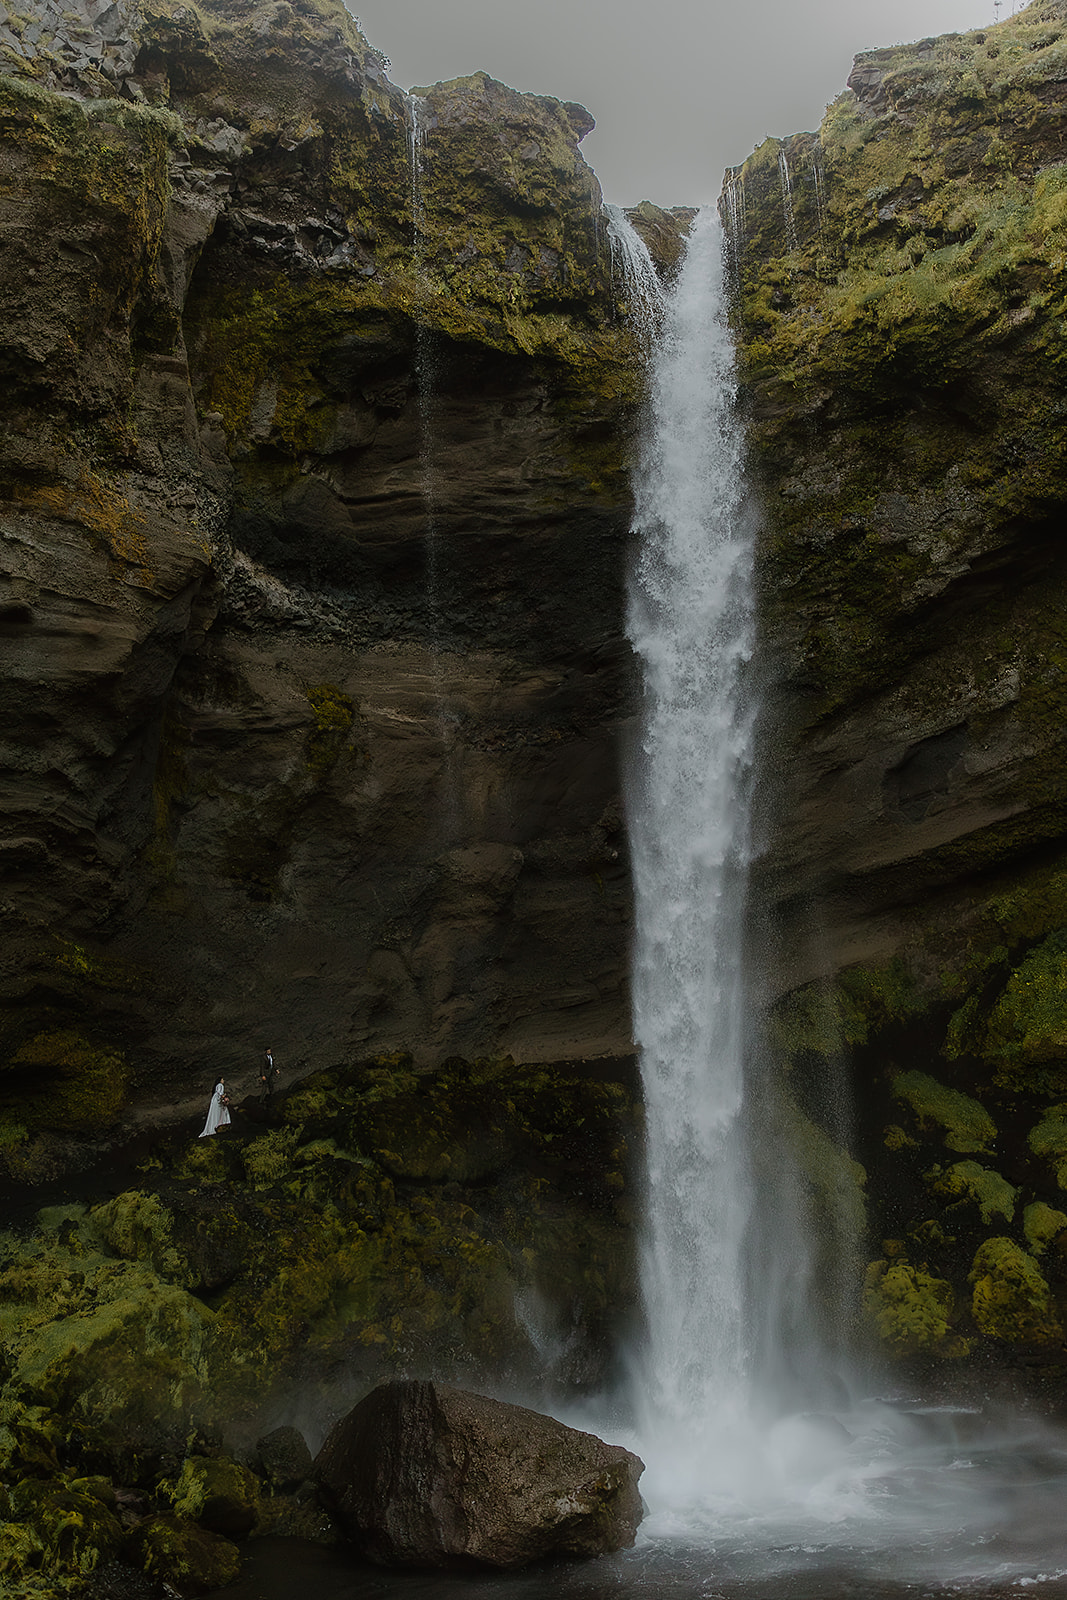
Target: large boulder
[(422, 1474)]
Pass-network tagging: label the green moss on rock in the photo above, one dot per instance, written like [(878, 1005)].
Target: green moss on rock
[(965, 1124), (1012, 1301), (966, 1181), (173, 1550), (73, 1524), (911, 1311), (269, 1158), (1027, 1026), (64, 1081), (334, 714), (1042, 1224), (826, 1018), (139, 1227), (1048, 1140), (219, 1494)]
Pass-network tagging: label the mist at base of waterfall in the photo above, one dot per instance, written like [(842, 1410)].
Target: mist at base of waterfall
[(892, 1500)]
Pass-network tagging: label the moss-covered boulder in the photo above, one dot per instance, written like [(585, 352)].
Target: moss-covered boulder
[(966, 1182), (105, 1343), (912, 1311), (964, 1123), (1012, 1301), (1048, 1140), (56, 1532), (219, 1494), (175, 1551)]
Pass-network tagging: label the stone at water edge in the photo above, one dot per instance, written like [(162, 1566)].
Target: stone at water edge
[(422, 1474)]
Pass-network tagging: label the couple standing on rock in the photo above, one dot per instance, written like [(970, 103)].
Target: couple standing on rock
[(218, 1113)]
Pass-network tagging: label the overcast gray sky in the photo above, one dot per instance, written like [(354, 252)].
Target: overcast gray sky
[(680, 89)]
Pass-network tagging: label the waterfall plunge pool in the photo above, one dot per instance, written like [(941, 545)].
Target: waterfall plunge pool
[(888, 1501)]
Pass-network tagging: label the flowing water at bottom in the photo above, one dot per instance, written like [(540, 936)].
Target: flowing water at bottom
[(893, 1498)]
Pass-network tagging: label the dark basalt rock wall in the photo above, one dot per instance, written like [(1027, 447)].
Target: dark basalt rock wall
[(901, 303), (314, 522)]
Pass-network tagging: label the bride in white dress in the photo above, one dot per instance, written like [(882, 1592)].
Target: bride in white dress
[(217, 1114)]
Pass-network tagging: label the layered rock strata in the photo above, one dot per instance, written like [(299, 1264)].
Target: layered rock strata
[(901, 305), (314, 521)]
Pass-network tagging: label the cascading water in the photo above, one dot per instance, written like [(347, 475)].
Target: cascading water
[(426, 379), (691, 623), (739, 1464), (631, 266), (788, 218)]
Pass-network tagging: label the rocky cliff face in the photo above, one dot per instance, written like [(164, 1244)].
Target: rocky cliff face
[(314, 528), (901, 300)]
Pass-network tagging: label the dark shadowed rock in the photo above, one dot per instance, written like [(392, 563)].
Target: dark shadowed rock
[(426, 1475), (284, 1457)]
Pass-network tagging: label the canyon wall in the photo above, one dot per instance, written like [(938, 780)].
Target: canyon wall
[(314, 511), (315, 519), (901, 297)]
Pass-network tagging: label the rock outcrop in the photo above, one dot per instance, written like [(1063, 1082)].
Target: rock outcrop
[(314, 514), (901, 303), (429, 1476), (471, 1224)]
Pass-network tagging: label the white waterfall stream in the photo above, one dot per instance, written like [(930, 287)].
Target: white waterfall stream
[(788, 220), (691, 624), (729, 1392)]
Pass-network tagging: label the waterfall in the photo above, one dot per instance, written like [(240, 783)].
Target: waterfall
[(415, 105), (817, 178), (632, 268), (691, 624), (787, 200), (733, 195), (427, 377)]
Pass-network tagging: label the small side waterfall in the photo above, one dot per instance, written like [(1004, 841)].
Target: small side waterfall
[(415, 105), (733, 195), (631, 266), (818, 180), (691, 623), (427, 383), (787, 200)]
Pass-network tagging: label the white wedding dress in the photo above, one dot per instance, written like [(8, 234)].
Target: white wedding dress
[(217, 1114)]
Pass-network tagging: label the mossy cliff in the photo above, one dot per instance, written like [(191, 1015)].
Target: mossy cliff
[(314, 512), (900, 306), (471, 1224)]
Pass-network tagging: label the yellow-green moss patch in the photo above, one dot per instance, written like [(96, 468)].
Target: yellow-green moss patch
[(1049, 1141), (1041, 1224), (967, 1126), (1012, 1302), (911, 1310), (967, 1181)]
